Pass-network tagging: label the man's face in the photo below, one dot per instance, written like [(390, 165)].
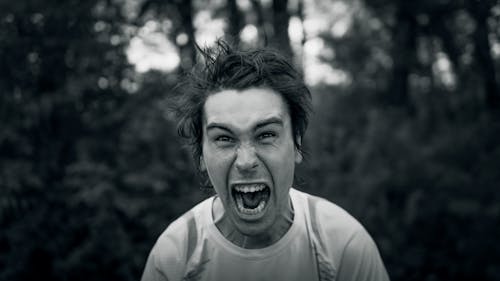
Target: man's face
[(250, 156)]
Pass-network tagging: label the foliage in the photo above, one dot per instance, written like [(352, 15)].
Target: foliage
[(90, 172), (419, 171), (428, 197)]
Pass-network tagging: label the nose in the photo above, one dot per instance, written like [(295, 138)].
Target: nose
[(246, 158)]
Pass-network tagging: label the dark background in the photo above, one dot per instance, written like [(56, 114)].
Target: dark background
[(91, 170)]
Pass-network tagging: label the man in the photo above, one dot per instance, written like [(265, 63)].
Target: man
[(245, 113)]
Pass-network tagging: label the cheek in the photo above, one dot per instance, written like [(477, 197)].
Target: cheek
[(282, 166), (217, 165)]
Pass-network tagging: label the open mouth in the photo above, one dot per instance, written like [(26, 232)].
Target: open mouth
[(251, 199)]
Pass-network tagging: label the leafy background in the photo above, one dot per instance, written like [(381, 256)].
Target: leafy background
[(405, 135)]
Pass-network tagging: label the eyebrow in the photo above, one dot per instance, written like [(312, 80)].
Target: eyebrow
[(269, 121), (262, 123)]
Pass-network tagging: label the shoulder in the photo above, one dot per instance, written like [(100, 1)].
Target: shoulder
[(330, 218), (183, 231), (176, 243), (344, 240)]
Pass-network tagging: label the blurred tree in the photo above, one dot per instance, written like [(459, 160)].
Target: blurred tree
[(480, 12), (406, 176), (58, 71), (89, 171), (261, 25), (281, 17), (187, 48), (409, 23), (403, 53), (235, 21), (180, 12)]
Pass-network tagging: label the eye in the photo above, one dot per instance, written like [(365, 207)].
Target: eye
[(224, 139), (266, 136)]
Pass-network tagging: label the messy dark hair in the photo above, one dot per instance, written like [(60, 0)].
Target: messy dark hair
[(224, 67)]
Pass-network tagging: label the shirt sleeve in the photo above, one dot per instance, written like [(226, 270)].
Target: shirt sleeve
[(166, 260), (151, 271), (361, 260)]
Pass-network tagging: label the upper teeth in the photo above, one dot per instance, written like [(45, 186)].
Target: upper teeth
[(250, 187)]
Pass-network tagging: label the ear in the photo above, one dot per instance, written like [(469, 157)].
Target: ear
[(298, 154), (203, 168)]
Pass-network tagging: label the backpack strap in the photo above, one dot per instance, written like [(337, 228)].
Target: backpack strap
[(192, 236), (196, 258), (326, 271)]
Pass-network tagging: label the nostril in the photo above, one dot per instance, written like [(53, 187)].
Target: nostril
[(246, 159), (246, 168), (245, 165)]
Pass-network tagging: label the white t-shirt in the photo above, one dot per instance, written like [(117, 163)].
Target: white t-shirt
[(323, 243)]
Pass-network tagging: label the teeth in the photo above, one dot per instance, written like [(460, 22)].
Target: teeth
[(246, 188), (250, 188), (241, 207)]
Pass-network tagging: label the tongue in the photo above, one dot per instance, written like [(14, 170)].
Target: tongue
[(252, 199)]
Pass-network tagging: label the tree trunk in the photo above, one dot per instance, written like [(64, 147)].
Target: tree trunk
[(480, 10), (187, 51), (281, 17), (403, 55), (235, 20), (260, 22)]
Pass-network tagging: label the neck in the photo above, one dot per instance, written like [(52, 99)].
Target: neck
[(231, 233)]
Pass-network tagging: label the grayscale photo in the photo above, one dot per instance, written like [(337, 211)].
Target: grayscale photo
[(220, 140)]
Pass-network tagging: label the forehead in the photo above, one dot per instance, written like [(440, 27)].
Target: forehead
[(244, 108)]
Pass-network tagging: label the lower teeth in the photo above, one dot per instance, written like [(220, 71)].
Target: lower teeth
[(256, 210)]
